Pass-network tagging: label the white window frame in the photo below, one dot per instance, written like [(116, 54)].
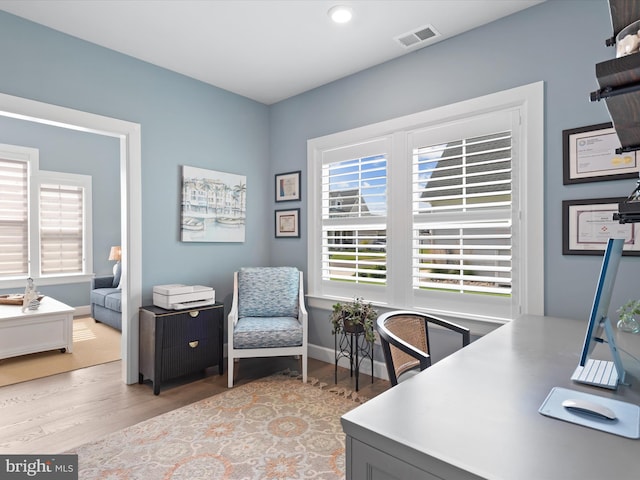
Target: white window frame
[(36, 177), (527, 212), (69, 180)]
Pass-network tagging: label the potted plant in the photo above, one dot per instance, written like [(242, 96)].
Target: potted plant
[(353, 317), (628, 311)]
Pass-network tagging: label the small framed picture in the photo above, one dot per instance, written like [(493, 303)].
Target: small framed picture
[(588, 224), (589, 155), (288, 186), (288, 223)]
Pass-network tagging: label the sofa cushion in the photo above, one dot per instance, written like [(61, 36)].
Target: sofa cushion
[(268, 292), (117, 275), (107, 297), (267, 332), (105, 281), (113, 301)]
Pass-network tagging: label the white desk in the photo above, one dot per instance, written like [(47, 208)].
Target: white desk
[(49, 327), (475, 414)]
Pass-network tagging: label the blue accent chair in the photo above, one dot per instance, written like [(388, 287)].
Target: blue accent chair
[(268, 317)]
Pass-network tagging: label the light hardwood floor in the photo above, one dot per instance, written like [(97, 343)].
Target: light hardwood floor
[(57, 413)]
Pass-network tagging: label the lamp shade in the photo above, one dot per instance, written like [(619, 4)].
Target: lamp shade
[(115, 253)]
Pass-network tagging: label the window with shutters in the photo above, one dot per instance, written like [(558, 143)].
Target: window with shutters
[(354, 209), (44, 219), (434, 211), (462, 211)]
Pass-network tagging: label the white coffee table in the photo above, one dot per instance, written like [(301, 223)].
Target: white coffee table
[(50, 327)]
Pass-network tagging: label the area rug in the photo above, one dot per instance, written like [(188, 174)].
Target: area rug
[(93, 344), (274, 428)]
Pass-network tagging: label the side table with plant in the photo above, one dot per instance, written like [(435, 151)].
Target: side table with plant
[(353, 326), (357, 315), (628, 312)]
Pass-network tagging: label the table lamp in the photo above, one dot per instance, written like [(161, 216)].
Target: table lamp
[(115, 254)]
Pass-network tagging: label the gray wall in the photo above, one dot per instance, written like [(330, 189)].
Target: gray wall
[(533, 45), (185, 122)]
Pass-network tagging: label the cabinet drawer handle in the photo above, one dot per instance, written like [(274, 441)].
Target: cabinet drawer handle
[(194, 313), (194, 344)]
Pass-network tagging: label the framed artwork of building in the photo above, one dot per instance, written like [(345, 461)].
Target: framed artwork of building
[(214, 206)]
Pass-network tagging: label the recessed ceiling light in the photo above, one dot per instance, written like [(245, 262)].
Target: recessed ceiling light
[(340, 14)]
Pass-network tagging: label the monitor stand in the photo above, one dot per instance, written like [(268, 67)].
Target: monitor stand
[(602, 373)]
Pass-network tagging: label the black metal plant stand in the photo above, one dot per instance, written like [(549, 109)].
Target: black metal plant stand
[(355, 347)]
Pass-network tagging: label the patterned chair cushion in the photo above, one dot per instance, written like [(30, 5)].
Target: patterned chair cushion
[(263, 332), (268, 292)]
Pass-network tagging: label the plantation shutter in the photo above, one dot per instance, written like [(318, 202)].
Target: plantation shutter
[(462, 208), (61, 229), (354, 211), (14, 218)]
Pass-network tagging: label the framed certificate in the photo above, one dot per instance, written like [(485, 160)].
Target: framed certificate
[(589, 155), (588, 224), (288, 186), (287, 223)]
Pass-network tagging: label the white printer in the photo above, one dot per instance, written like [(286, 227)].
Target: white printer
[(179, 297)]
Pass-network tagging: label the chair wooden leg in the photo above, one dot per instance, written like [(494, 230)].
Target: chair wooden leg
[(304, 368), (230, 373)]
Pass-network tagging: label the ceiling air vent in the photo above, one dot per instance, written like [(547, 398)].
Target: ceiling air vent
[(416, 37)]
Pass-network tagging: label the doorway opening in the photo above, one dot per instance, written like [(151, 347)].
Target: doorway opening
[(128, 134)]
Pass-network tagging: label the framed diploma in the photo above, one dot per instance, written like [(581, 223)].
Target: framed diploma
[(590, 155), (288, 186), (588, 224), (288, 223)]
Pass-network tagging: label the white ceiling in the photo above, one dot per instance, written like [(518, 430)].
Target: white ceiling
[(267, 50)]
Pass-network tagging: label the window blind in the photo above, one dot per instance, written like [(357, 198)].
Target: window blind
[(354, 209), (463, 175), (14, 218), (462, 215), (61, 229)]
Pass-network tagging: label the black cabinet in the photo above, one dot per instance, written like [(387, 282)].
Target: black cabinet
[(174, 343)]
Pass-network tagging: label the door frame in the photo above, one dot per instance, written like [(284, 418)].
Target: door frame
[(130, 202)]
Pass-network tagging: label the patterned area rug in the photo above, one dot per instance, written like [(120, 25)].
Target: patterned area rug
[(270, 429)]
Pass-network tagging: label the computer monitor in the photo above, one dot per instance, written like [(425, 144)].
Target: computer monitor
[(595, 372)]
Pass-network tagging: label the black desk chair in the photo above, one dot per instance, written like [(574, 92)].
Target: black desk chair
[(405, 341)]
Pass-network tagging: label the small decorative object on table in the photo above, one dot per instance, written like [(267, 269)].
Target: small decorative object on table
[(30, 300), (353, 330), (628, 322)]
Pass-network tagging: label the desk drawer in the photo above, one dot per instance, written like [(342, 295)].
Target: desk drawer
[(366, 462)]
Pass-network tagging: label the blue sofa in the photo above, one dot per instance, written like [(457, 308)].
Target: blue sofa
[(106, 300)]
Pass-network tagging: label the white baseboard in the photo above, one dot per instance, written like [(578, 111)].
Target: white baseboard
[(82, 311), (327, 355)]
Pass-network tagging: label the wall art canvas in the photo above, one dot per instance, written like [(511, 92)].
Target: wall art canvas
[(213, 206)]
